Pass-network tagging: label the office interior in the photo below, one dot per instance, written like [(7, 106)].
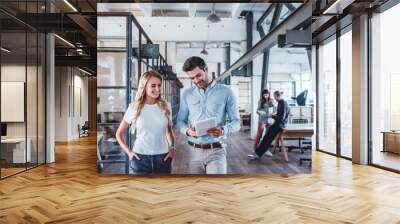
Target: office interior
[(95, 82), (176, 36), (64, 80)]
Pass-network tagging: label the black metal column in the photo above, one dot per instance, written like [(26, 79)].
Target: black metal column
[(128, 80), (249, 42), (338, 98), (274, 23), (227, 63)]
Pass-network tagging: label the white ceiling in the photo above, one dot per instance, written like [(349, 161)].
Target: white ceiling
[(182, 9)]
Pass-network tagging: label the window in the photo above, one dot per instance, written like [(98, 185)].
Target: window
[(346, 94), (385, 88), (327, 97)]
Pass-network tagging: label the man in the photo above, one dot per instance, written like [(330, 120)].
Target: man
[(281, 120), (206, 99)]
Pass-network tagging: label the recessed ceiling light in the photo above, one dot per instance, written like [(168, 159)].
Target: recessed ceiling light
[(5, 49), (64, 40), (70, 5)]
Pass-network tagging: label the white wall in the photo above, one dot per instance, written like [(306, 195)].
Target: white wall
[(193, 29), (70, 83)]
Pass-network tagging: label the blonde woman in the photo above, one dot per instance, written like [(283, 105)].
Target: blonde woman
[(150, 117)]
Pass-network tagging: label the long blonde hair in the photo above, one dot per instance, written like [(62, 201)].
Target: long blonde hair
[(141, 96)]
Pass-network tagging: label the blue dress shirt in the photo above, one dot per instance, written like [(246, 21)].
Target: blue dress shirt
[(216, 101)]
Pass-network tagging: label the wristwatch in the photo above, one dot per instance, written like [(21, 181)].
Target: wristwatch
[(172, 148)]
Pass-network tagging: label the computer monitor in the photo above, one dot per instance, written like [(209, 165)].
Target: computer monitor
[(3, 129)]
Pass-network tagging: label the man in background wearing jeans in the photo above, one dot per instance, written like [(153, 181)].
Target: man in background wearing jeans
[(206, 99)]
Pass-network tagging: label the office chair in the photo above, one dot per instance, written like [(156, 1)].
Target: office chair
[(84, 130), (301, 98)]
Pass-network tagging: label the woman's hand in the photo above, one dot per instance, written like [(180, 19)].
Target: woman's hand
[(170, 154), (132, 154)]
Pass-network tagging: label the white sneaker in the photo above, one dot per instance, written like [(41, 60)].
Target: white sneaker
[(253, 157), (268, 153)]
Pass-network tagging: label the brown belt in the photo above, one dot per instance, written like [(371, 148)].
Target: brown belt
[(206, 146)]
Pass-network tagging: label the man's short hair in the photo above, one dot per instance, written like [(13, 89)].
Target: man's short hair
[(193, 62), (278, 93)]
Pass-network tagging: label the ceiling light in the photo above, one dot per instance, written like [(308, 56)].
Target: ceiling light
[(213, 17), (84, 71), (337, 7), (65, 41), (204, 51), (70, 5), (5, 50)]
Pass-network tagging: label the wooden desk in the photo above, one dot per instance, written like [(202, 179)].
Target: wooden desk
[(391, 141), (298, 131)]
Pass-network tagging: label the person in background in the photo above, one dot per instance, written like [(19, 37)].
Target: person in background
[(265, 104), (281, 120), (150, 117)]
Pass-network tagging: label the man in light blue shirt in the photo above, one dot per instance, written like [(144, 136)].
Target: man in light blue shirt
[(207, 99)]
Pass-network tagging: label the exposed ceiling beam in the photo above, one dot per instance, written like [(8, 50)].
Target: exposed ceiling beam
[(320, 22), (301, 14), (86, 26), (83, 61), (290, 6)]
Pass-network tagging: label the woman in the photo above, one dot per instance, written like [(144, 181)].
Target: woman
[(264, 105), (150, 117)]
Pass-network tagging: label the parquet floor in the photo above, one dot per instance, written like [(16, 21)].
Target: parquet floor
[(71, 191)]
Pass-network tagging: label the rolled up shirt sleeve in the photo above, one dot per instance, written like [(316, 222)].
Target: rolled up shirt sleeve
[(183, 114), (233, 115)]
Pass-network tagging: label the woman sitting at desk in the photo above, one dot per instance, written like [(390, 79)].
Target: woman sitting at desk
[(150, 117), (265, 105)]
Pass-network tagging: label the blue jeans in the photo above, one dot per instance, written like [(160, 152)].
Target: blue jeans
[(151, 164)]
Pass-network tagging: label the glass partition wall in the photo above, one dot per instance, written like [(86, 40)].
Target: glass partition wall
[(112, 82), (22, 77), (120, 62)]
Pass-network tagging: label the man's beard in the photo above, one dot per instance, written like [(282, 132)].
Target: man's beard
[(203, 84)]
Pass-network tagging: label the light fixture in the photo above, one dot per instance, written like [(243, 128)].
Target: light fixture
[(337, 7), (213, 17), (5, 50), (70, 5), (65, 41), (204, 51), (84, 71)]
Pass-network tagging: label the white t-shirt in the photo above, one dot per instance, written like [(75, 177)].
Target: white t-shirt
[(151, 129)]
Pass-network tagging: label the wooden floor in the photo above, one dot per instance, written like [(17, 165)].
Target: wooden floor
[(71, 191)]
